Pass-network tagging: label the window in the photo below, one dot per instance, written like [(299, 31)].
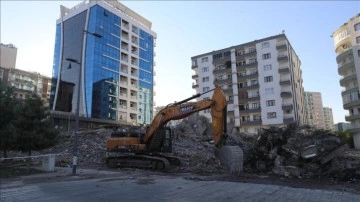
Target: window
[(359, 53), (271, 115), (205, 59), (266, 56), (267, 67), (205, 69), (265, 45), (205, 89), (269, 91), (205, 79), (358, 40), (357, 27), (268, 79), (270, 103), (252, 61)]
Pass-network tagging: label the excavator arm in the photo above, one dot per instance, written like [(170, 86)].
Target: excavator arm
[(182, 109)]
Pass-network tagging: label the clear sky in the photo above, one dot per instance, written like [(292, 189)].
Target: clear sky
[(190, 28)]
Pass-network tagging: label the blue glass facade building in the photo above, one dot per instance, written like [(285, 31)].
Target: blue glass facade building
[(116, 70)]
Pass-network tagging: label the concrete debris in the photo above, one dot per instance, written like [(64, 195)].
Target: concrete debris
[(300, 151)]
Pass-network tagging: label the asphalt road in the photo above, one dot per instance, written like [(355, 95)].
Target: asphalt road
[(154, 188)]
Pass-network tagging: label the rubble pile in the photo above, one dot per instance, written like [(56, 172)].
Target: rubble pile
[(191, 143), (299, 151)]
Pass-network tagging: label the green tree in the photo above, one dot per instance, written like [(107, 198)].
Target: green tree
[(7, 114), (33, 126)]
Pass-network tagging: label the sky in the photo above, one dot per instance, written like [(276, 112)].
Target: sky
[(189, 28)]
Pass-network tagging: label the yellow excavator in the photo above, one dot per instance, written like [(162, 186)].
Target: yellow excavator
[(150, 147)]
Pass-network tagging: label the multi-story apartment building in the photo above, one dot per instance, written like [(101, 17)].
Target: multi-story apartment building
[(314, 110), (8, 54), (328, 117), (27, 83), (347, 47), (113, 50), (262, 81), (342, 126)]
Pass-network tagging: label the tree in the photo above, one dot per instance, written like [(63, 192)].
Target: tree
[(7, 114), (33, 126)]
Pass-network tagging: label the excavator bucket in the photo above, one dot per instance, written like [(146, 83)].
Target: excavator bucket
[(231, 157)]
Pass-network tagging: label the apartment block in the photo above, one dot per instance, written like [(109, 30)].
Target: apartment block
[(8, 54), (328, 117), (111, 49), (314, 110), (27, 83), (347, 48), (262, 81)]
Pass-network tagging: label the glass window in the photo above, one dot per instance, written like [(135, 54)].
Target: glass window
[(205, 69), (357, 26), (205, 79), (270, 103), (271, 115), (266, 56), (265, 45), (269, 91), (205, 59), (358, 40), (268, 79), (267, 67)]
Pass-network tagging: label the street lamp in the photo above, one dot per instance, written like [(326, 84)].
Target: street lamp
[(75, 150)]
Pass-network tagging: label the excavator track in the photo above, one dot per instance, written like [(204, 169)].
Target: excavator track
[(138, 161)]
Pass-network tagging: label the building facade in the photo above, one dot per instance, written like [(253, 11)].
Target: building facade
[(113, 47), (347, 47), (328, 117), (27, 83), (314, 110), (341, 126), (8, 54), (262, 81)]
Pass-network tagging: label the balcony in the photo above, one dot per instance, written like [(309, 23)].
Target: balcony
[(228, 90), (284, 70), (248, 65), (352, 117), (285, 82), (194, 66), (230, 101), (247, 54), (351, 90), (250, 110), (251, 123), (287, 107), (248, 87), (289, 120), (223, 81), (195, 85), (286, 94), (353, 103), (342, 69), (347, 79), (195, 76), (248, 76), (343, 55), (230, 113), (281, 46), (221, 61), (248, 98), (283, 58), (221, 71)]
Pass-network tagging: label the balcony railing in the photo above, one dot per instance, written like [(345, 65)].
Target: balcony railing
[(283, 58), (281, 46), (286, 94), (288, 120), (284, 70), (250, 110), (287, 107), (250, 123), (285, 82)]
